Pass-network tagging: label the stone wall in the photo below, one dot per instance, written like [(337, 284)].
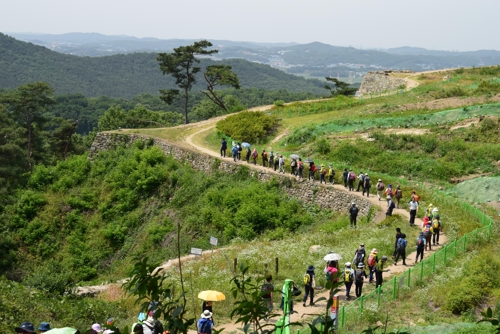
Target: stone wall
[(306, 191), (380, 81)]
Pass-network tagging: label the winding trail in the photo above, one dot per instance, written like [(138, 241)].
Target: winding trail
[(301, 311)]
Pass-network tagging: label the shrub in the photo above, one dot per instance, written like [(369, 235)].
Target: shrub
[(50, 277), (252, 127), (279, 103), (467, 291), (323, 146)]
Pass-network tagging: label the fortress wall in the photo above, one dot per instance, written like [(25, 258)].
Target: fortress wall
[(305, 191), (380, 81)]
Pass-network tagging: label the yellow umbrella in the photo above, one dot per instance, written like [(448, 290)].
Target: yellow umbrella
[(211, 295)]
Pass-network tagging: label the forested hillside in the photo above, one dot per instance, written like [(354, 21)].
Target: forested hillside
[(122, 75)]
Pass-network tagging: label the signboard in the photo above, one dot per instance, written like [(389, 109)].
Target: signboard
[(334, 310), (214, 241), (196, 251)]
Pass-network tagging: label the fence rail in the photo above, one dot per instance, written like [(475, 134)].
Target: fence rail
[(398, 286)]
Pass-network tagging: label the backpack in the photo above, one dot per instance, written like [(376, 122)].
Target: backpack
[(352, 176), (254, 154), (436, 224), (367, 182), (264, 155), (348, 276), (389, 192), (265, 289), (314, 168), (307, 279), (381, 186), (323, 171), (416, 198), (399, 193), (360, 275), (371, 260), (401, 243), (360, 255)]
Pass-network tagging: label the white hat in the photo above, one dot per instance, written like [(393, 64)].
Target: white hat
[(348, 264), (379, 180), (353, 203), (108, 331), (206, 314), (435, 210), (97, 328)]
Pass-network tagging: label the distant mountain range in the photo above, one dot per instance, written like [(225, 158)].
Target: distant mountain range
[(123, 75), (312, 59)]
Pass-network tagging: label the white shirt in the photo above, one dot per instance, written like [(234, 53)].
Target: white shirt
[(413, 205)]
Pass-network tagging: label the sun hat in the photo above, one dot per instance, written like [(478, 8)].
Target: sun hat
[(322, 165), (108, 331), (435, 210), (384, 258), (379, 180), (206, 314), (25, 327), (430, 205), (362, 245), (366, 174), (374, 251), (44, 326), (97, 328), (360, 265), (353, 203), (110, 321), (311, 268), (348, 264), (141, 316)]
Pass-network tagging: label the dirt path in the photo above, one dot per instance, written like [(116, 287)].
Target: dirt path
[(319, 307)]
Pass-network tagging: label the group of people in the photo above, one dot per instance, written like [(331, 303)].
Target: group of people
[(109, 328)]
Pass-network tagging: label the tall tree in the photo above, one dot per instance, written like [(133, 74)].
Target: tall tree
[(28, 103), (339, 87), (181, 65), (219, 75)]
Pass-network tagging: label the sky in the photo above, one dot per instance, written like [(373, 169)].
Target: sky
[(460, 25)]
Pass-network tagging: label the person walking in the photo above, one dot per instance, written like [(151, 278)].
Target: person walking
[(420, 246), (436, 225), (300, 168), (293, 166), (427, 229), (367, 185), (379, 269), (282, 164), (345, 176), (271, 160), (380, 188), (267, 293), (348, 276), (398, 194), (331, 174), (401, 249), (276, 161), (309, 284), (359, 255), (372, 262), (223, 148), (413, 206), (361, 181), (352, 177), (205, 324), (264, 158), (359, 276), (322, 174), (234, 152), (247, 155), (398, 235), (388, 193), (391, 206), (255, 155), (312, 170), (240, 149), (353, 211)]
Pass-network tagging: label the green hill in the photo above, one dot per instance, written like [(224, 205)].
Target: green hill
[(122, 75)]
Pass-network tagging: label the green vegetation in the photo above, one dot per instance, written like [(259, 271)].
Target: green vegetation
[(252, 127), (124, 76)]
